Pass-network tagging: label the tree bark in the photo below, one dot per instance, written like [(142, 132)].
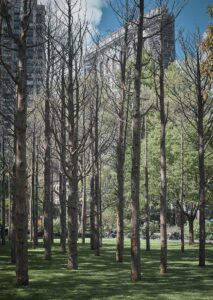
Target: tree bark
[(73, 115), (62, 198), (21, 166), (181, 192), (47, 173), (84, 209), (100, 204), (20, 124), (120, 159), (84, 183), (120, 169), (13, 218), (96, 172), (3, 189), (146, 184), (136, 149), (33, 186), (163, 183), (51, 204), (191, 231), (35, 214), (62, 178), (92, 209), (201, 164), (96, 213), (73, 223)]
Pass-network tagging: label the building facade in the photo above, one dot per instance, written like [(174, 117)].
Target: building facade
[(35, 56), (107, 54), (35, 63)]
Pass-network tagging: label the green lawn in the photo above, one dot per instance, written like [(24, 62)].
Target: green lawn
[(103, 278)]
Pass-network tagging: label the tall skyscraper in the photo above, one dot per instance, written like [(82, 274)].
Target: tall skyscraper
[(35, 57)]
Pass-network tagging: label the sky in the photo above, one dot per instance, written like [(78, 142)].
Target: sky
[(193, 15), (103, 19)]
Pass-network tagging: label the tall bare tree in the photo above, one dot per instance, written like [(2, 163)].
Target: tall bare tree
[(62, 191), (165, 22), (20, 130), (3, 187), (146, 185), (136, 151), (95, 182), (47, 146), (182, 191), (163, 186)]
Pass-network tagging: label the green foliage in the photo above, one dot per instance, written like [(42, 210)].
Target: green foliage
[(109, 220), (154, 227), (209, 230), (108, 186), (173, 151), (56, 225)]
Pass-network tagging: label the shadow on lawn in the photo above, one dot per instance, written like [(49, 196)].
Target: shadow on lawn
[(103, 278)]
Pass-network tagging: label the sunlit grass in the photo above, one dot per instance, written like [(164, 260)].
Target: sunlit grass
[(103, 278)]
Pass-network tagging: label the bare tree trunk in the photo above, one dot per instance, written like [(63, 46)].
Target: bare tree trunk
[(73, 180), (84, 203), (62, 198), (163, 183), (147, 207), (181, 192), (73, 223), (47, 175), (92, 182), (120, 159), (120, 182), (96, 214), (3, 190), (201, 164), (20, 124), (92, 222), (13, 218), (21, 166), (96, 172), (62, 178), (30, 210), (21, 185), (35, 214), (84, 210), (52, 205), (10, 206), (73, 114), (2, 196), (33, 186), (136, 149), (100, 204), (191, 231)]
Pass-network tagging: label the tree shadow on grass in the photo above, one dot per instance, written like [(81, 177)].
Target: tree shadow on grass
[(102, 278)]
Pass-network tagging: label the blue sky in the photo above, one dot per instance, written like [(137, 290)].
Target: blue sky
[(193, 15)]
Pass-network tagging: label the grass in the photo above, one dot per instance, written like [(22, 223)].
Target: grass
[(103, 278)]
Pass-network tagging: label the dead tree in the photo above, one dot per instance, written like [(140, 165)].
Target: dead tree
[(146, 185), (47, 150), (20, 131), (136, 151)]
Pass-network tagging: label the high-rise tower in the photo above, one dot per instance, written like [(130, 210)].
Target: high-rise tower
[(35, 56)]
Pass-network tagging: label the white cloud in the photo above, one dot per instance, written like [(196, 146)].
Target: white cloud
[(91, 9)]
